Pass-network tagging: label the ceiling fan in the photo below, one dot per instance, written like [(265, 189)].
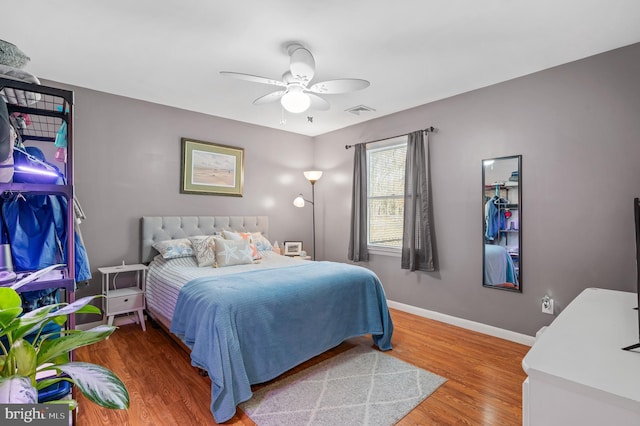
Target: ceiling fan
[(296, 95)]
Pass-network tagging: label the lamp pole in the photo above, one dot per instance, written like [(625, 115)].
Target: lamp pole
[(313, 216), (312, 177)]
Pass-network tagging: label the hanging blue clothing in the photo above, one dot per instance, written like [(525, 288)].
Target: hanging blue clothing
[(35, 227), (495, 218)]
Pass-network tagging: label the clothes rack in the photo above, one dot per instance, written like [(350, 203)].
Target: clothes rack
[(42, 104)]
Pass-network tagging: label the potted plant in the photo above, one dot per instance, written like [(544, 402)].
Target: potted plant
[(26, 351)]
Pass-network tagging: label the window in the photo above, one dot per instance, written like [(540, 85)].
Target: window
[(385, 192)]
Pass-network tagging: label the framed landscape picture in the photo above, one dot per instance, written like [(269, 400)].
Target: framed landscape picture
[(209, 168)]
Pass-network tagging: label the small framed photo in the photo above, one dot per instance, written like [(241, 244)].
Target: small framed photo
[(213, 169), (292, 248)]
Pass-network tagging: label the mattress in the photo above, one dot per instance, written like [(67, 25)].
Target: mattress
[(166, 277)]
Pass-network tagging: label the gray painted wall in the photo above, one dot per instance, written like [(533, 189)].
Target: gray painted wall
[(576, 127)]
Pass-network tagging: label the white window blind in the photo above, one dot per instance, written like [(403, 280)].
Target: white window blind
[(385, 192)]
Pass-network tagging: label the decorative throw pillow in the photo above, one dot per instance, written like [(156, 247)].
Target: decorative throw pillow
[(235, 236), (170, 249), (204, 250), (261, 242), (232, 252)]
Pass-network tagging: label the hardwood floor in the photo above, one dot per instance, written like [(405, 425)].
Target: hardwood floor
[(484, 373)]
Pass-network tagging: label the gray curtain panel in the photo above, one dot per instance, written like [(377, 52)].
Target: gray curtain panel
[(358, 250), (417, 241)]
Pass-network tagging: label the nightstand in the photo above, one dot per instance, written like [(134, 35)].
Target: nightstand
[(126, 299), (302, 257)]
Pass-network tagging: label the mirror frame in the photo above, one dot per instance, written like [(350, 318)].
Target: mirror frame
[(518, 258)]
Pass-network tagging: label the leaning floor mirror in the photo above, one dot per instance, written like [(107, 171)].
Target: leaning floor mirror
[(502, 218)]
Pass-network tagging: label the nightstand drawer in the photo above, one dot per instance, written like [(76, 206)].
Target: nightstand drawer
[(124, 303)]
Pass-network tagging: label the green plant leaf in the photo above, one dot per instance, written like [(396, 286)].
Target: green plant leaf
[(89, 309), (78, 305), (9, 298), (98, 384), (60, 319), (17, 390), (24, 356), (6, 316), (44, 383), (30, 322), (41, 312), (33, 320), (61, 359), (73, 404), (53, 348), (56, 312)]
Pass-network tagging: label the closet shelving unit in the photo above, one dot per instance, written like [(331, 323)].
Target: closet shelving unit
[(54, 107), (501, 189)]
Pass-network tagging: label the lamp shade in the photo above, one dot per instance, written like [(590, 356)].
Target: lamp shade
[(313, 175), (299, 201), (295, 100)]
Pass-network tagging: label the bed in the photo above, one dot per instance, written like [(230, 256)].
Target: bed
[(499, 269), (249, 323)]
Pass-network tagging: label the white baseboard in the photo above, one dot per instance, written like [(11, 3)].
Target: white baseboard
[(117, 321), (88, 325), (501, 333)]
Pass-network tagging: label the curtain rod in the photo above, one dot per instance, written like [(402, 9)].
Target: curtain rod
[(428, 130)]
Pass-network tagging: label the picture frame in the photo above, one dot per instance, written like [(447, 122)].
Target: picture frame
[(211, 169), (292, 248)]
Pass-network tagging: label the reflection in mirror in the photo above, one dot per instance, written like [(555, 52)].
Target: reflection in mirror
[(502, 214)]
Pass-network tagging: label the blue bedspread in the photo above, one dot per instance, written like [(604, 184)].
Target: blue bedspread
[(498, 266), (250, 327)]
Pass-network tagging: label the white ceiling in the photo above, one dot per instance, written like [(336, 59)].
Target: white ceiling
[(412, 51)]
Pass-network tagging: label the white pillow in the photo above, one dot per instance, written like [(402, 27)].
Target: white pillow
[(204, 250), (230, 235), (170, 249), (232, 252)]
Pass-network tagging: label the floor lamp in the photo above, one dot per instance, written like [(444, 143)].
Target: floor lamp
[(312, 176)]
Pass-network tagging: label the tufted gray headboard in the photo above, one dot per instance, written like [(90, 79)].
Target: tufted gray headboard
[(160, 228)]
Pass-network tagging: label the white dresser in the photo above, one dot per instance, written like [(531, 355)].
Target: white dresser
[(577, 372)]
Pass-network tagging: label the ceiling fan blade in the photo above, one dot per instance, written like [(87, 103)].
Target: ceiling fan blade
[(342, 85), (253, 78), (302, 64), (318, 103), (271, 97)]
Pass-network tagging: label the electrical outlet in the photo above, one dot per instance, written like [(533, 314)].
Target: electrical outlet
[(547, 305)]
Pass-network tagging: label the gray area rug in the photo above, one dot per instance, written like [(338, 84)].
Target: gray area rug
[(361, 386)]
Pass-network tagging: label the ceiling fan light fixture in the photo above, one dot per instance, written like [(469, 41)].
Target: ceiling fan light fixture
[(295, 100), (295, 94)]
